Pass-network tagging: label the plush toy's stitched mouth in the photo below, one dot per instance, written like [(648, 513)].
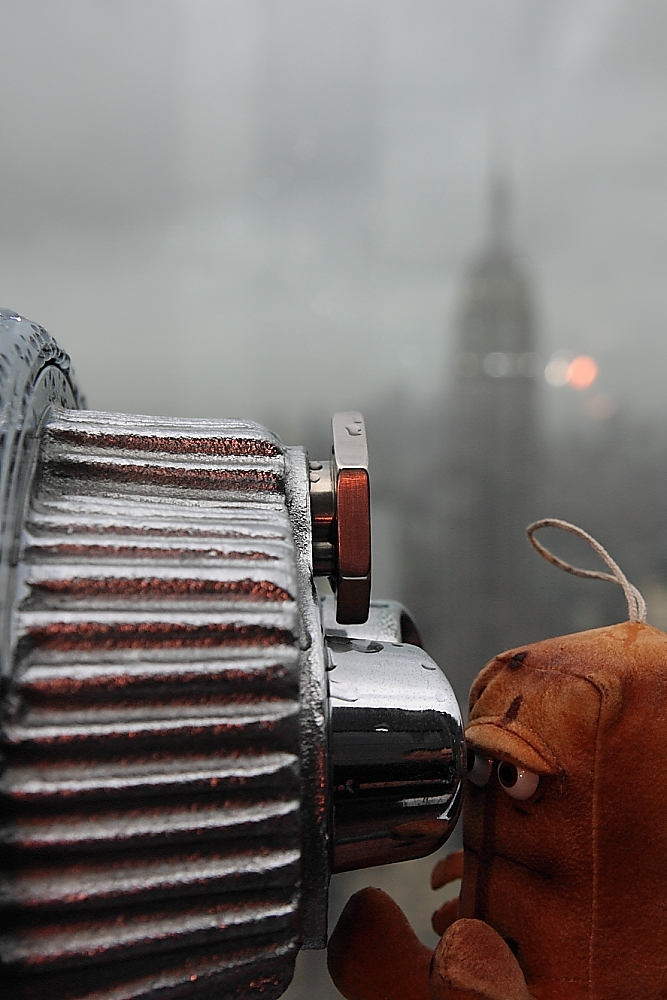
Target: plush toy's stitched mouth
[(485, 858)]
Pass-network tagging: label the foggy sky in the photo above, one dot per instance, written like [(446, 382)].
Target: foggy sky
[(256, 208)]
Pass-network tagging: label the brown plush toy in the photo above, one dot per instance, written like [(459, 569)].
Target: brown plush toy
[(564, 875)]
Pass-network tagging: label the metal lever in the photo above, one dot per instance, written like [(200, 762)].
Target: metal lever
[(340, 503)]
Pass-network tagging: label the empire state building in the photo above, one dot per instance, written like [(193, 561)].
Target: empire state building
[(492, 456)]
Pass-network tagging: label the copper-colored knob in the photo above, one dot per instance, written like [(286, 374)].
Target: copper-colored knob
[(341, 514)]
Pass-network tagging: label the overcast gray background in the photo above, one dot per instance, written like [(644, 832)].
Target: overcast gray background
[(263, 208)]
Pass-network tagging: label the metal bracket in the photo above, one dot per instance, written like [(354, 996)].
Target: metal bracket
[(340, 503)]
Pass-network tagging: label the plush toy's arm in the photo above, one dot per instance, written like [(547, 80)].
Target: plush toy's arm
[(472, 962), (375, 955), (447, 870)]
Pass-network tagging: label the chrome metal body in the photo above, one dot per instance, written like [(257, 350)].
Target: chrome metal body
[(169, 818), (388, 621), (396, 753)]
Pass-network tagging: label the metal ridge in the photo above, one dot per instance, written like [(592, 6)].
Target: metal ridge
[(152, 738)]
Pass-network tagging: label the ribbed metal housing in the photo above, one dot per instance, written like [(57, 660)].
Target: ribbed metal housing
[(151, 785)]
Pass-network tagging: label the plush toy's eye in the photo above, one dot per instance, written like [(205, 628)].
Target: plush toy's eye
[(518, 783), (479, 768)]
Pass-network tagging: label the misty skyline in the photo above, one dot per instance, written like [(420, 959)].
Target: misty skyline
[(265, 210)]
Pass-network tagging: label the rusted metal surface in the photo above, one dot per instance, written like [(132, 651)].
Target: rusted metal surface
[(151, 785)]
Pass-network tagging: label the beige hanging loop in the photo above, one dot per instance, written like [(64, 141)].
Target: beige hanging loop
[(636, 603)]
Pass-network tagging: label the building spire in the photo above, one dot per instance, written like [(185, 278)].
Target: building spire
[(499, 214)]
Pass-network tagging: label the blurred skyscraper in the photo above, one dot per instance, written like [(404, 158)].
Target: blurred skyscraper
[(493, 451), (478, 597)]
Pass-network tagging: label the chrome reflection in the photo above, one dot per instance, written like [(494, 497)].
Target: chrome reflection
[(397, 752)]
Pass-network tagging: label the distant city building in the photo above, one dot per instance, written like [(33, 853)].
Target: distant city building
[(492, 456), (467, 560)]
